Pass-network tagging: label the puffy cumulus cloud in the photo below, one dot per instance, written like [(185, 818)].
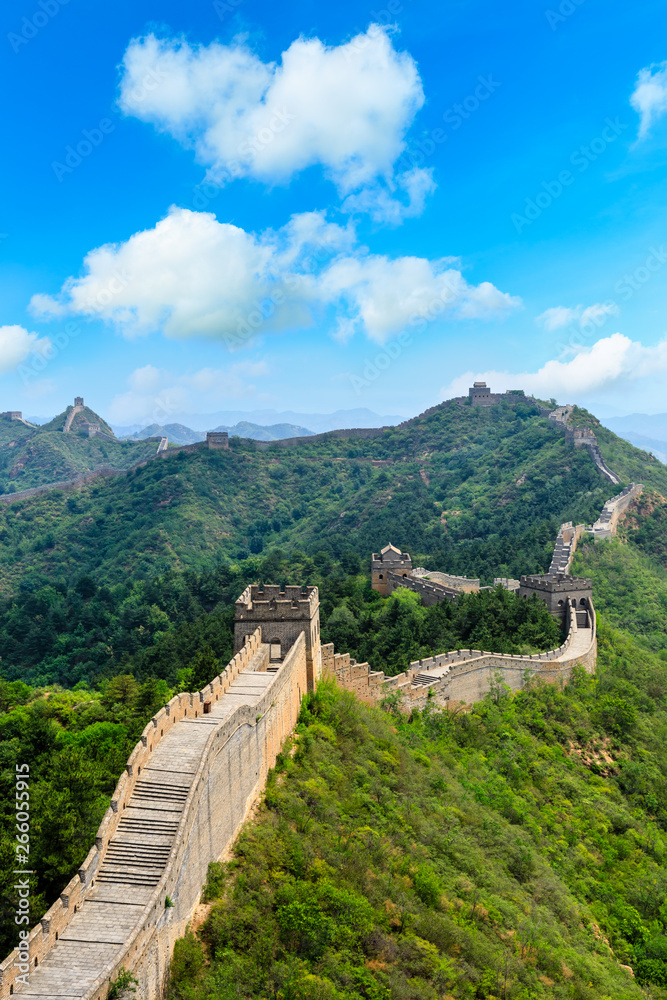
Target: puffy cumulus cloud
[(345, 108), (610, 361), (194, 276), (155, 395), (561, 316), (17, 345), (649, 98), (384, 296)]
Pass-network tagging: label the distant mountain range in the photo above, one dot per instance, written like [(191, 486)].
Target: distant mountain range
[(645, 430), (180, 434), (316, 422)]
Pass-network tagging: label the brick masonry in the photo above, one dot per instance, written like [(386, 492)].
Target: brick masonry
[(466, 675), (186, 790)]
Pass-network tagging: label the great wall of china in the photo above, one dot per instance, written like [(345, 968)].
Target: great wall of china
[(478, 395), (200, 765), (203, 760)]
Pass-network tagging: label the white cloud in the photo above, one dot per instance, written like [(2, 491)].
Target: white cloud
[(384, 296), (345, 108), (17, 344), (649, 98), (377, 201), (193, 276), (561, 316), (156, 395), (611, 360)]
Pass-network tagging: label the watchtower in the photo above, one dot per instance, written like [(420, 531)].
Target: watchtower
[(557, 590), (217, 439), (78, 400), (479, 394), (282, 617), (388, 560)]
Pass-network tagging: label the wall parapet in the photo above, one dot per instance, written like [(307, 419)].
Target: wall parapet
[(466, 674), (607, 523), (186, 705)]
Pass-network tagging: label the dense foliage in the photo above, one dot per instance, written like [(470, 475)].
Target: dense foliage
[(465, 489), (75, 744), (389, 633), (515, 851), (34, 456), (629, 588), (446, 853), (84, 633)]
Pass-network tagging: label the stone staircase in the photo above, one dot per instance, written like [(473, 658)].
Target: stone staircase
[(582, 619), (137, 854)]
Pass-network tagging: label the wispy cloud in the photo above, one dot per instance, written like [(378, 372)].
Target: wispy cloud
[(559, 317), (17, 344), (156, 394), (649, 98)]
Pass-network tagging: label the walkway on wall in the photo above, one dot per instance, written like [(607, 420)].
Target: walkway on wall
[(139, 851), (70, 417), (577, 646)]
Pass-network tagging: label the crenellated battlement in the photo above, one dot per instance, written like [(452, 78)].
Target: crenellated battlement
[(282, 615), (267, 602)]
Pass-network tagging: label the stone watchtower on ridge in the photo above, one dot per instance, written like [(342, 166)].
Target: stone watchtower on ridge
[(388, 560), (557, 591), (282, 617)]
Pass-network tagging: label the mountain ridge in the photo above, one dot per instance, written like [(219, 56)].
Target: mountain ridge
[(477, 491)]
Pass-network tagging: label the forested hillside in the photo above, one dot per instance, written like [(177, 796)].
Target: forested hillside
[(35, 456), (467, 489), (515, 851), (124, 592)]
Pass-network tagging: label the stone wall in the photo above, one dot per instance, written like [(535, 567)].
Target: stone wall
[(566, 545), (282, 615), (466, 675), (231, 775), (607, 523), (463, 584), (429, 591)]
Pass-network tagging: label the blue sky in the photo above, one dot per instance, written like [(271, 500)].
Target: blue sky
[(314, 207)]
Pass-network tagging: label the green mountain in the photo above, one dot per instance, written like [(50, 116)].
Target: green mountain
[(471, 490), (33, 456), (512, 851), (177, 434), (259, 432)]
